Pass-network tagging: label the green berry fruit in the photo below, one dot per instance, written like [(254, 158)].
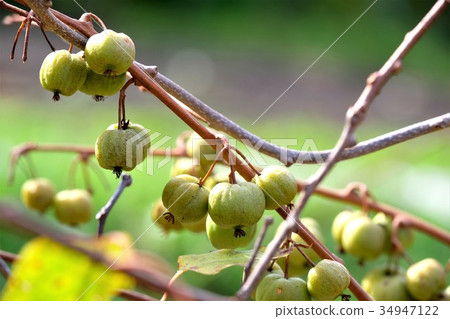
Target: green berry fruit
[(201, 150), (122, 149), (298, 265), (38, 194), (274, 287), (186, 166), (425, 278), (327, 280), (109, 53), (278, 184), (185, 199), (62, 73), (224, 238), (158, 212), (405, 234), (73, 206), (220, 177), (100, 86), (236, 205), (340, 221), (196, 227), (363, 238), (386, 285), (275, 269)]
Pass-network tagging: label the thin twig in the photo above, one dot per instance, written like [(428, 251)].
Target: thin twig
[(134, 295), (172, 280), (104, 212), (4, 269), (267, 222)]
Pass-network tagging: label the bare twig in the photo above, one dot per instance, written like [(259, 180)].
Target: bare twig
[(267, 222), (355, 116), (4, 269), (134, 295), (150, 273), (104, 212)]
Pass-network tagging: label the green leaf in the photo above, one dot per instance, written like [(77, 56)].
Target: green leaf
[(46, 270), (215, 261)]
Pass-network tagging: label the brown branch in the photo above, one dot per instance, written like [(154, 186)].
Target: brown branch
[(248, 267), (150, 273), (134, 295), (354, 117), (4, 269)]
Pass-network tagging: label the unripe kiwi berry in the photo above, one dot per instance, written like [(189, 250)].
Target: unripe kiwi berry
[(340, 221), (100, 86), (236, 205), (405, 234), (196, 227), (274, 287), (109, 53), (327, 280), (185, 199), (122, 149), (157, 215), (62, 73), (186, 166), (383, 284), (201, 150), (224, 238), (278, 184), (73, 206), (363, 238), (425, 278), (38, 194)]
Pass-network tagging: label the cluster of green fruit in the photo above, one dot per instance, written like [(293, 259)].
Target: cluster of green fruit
[(99, 71), (424, 280), (71, 206), (326, 281), (230, 210), (367, 238)]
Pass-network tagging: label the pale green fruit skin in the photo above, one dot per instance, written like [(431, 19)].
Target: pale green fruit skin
[(363, 238), (425, 278), (196, 227), (236, 205), (340, 221), (198, 148), (220, 177), (111, 147), (223, 238), (109, 52), (278, 184), (274, 287), (298, 265), (157, 212), (38, 194), (62, 72), (99, 85), (276, 269), (185, 199), (382, 285), (405, 235), (73, 206), (186, 166), (327, 280)]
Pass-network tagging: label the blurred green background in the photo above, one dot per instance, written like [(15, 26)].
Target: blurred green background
[(239, 57)]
